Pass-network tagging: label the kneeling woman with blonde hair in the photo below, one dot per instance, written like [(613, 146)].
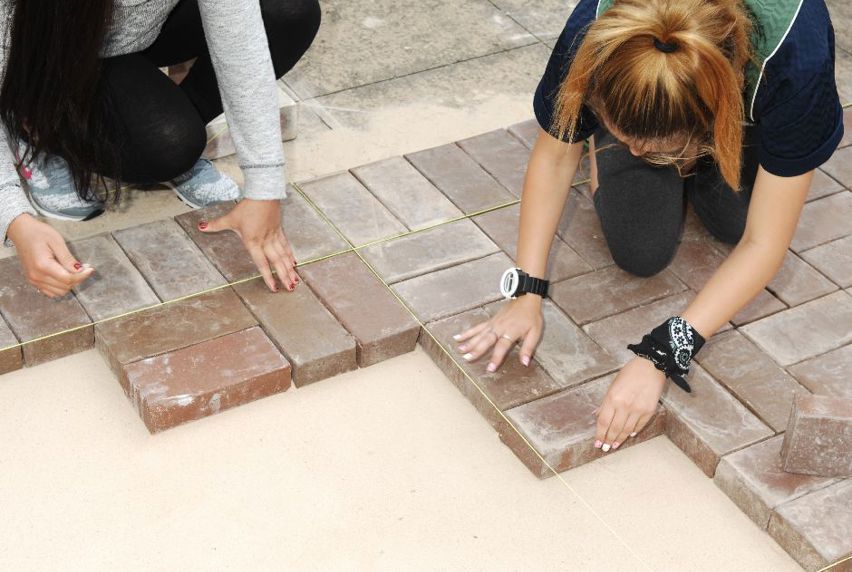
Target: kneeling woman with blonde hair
[(728, 104)]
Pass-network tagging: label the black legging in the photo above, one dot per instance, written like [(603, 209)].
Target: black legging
[(163, 125)]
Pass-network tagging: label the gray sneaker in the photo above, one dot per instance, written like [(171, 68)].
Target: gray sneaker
[(53, 192), (203, 185)]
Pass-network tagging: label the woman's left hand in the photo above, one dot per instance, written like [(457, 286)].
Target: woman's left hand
[(258, 224), (629, 403)]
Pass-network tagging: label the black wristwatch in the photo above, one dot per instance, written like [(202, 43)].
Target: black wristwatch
[(515, 282)]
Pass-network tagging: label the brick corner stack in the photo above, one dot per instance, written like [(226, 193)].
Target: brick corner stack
[(818, 440)]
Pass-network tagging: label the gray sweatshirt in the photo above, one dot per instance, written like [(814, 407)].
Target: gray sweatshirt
[(240, 53)]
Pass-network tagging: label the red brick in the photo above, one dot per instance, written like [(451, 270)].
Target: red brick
[(834, 259), (381, 325), (315, 344), (847, 133), (168, 259), (352, 208), (561, 428), (823, 185), (709, 422), (824, 220), (814, 529), (526, 132), (840, 166), (752, 377), (819, 437), (581, 229), (454, 290), (797, 282), (11, 357), (224, 250), (609, 291), (116, 287), (502, 227), (805, 331), (503, 156), (33, 316), (406, 193), (827, 374), (423, 252), (195, 382), (171, 327), (755, 480), (459, 177), (512, 385)]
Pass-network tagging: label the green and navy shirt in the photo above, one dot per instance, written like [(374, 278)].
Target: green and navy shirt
[(791, 96)]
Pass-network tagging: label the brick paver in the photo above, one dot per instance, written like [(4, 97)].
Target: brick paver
[(755, 480), (709, 422), (526, 132), (834, 259), (824, 220), (502, 155), (31, 316), (581, 229), (11, 357), (406, 193), (428, 251), (805, 331), (818, 440), (313, 341), (561, 427), (381, 325), (224, 250), (502, 227), (460, 178), (823, 185), (840, 166), (797, 282), (814, 529), (352, 208), (174, 388), (168, 259), (752, 376), (827, 374), (116, 287)]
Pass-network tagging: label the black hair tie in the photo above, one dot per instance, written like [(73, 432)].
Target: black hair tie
[(665, 47)]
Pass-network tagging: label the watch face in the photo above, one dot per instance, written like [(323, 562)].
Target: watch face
[(509, 283)]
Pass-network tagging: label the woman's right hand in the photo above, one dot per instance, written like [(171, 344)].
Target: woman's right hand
[(519, 321), (46, 261)]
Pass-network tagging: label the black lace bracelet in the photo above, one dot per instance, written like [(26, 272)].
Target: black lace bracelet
[(671, 347)]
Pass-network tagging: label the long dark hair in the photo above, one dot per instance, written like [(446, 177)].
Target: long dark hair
[(53, 93)]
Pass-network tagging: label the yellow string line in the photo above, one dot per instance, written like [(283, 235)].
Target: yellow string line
[(470, 378), (842, 560)]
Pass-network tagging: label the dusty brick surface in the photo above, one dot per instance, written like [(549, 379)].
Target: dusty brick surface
[(615, 332), (834, 259), (224, 250), (502, 155), (512, 385), (195, 382), (823, 185), (116, 287), (814, 529), (454, 290), (581, 229), (805, 331), (818, 440), (526, 132), (460, 178), (11, 357), (709, 422), (827, 374), (406, 193), (171, 327), (31, 316), (168, 259), (428, 251), (824, 220), (609, 291), (352, 208), (561, 427), (313, 341), (502, 227), (381, 325), (755, 480), (751, 376), (761, 306), (797, 282)]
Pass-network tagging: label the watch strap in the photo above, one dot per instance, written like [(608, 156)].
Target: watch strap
[(531, 285)]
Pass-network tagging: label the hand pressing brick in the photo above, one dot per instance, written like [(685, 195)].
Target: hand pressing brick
[(561, 428), (503, 156), (819, 437), (33, 316), (204, 379), (827, 374), (381, 325), (11, 357)]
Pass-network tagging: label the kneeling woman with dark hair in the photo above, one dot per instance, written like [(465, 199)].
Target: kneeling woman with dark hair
[(82, 98)]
